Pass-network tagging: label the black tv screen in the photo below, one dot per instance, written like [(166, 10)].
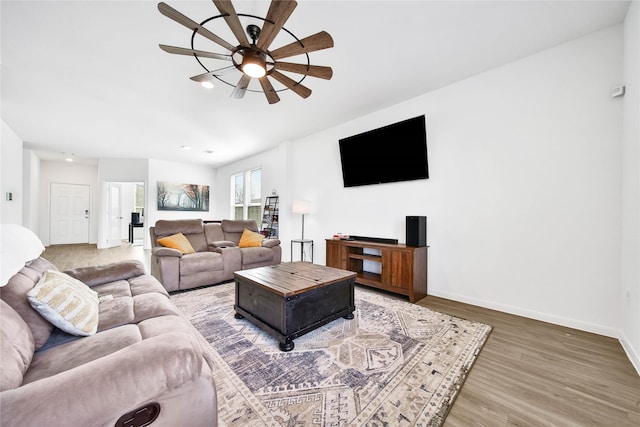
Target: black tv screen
[(392, 153)]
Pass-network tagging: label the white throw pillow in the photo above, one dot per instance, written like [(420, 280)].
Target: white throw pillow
[(66, 302)]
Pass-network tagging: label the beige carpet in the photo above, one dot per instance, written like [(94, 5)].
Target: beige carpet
[(394, 364)]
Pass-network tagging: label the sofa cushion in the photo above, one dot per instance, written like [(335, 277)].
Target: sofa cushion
[(15, 294), (153, 305), (256, 255), (233, 228), (213, 232), (250, 239), (200, 261), (166, 227), (16, 347), (114, 312), (79, 352), (177, 241), (66, 302), (146, 284), (270, 243), (105, 273)]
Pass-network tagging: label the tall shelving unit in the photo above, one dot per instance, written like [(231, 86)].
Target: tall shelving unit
[(270, 217)]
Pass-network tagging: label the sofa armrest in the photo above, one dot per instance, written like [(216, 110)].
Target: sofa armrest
[(100, 274), (222, 244), (99, 392), (270, 243), (163, 251)]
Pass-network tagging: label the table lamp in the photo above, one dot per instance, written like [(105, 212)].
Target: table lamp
[(301, 207)]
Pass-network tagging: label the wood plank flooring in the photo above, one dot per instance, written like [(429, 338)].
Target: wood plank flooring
[(532, 373), (529, 373)]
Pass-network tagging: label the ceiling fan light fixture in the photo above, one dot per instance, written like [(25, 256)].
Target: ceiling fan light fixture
[(254, 64), (207, 84)]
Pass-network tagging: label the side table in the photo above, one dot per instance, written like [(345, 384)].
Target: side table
[(302, 242), (131, 227)]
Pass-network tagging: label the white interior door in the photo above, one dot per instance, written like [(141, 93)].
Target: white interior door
[(114, 200), (69, 221)]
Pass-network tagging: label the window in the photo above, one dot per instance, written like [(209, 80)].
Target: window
[(139, 199), (246, 195)]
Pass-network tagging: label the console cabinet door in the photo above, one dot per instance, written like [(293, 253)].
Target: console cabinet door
[(400, 269), (336, 255)]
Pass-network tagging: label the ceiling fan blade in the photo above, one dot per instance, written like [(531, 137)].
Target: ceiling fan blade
[(310, 70), (269, 91), (318, 41), (225, 7), (241, 87), (301, 90), (171, 13), (191, 52), (207, 76), (279, 12)]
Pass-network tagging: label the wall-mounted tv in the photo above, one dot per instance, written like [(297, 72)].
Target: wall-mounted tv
[(397, 152)]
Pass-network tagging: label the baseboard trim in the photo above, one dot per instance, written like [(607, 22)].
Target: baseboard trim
[(531, 314), (631, 353), (556, 320)]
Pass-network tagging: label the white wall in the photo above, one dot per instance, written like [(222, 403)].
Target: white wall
[(30, 180), (11, 176), (67, 173), (524, 200), (631, 188)]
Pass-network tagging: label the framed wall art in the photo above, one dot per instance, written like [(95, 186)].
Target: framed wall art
[(182, 197)]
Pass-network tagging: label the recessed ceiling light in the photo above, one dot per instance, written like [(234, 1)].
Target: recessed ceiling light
[(185, 147), (208, 151)]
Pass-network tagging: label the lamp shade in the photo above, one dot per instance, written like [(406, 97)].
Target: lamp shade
[(19, 245), (301, 207)]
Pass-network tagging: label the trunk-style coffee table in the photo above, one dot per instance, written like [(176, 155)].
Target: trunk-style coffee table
[(290, 299)]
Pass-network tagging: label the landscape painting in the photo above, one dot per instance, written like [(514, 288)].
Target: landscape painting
[(182, 197)]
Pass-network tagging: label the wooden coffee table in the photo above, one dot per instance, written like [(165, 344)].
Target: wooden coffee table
[(290, 299)]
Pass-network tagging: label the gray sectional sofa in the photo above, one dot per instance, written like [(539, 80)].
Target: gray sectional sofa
[(144, 361), (217, 252)]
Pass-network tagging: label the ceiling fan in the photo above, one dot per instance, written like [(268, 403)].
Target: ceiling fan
[(253, 57)]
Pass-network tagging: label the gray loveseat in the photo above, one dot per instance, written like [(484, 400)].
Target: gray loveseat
[(145, 359), (217, 252)]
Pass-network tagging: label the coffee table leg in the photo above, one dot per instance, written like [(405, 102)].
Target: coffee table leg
[(238, 316), (286, 346), (348, 316)]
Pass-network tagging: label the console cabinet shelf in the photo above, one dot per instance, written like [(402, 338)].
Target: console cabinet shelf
[(403, 269)]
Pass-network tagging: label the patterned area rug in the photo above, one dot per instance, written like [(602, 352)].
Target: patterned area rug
[(395, 363)]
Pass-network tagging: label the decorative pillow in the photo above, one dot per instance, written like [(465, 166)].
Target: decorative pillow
[(66, 302), (177, 241), (250, 239)]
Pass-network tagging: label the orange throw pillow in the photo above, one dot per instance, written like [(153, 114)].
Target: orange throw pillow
[(177, 241), (250, 239)]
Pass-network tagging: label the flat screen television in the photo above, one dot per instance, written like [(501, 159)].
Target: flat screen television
[(397, 152)]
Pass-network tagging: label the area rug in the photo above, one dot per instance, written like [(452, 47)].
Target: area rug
[(394, 364)]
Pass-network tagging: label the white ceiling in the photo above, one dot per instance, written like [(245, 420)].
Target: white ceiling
[(88, 77)]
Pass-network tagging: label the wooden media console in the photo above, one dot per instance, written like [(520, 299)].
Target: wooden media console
[(402, 269)]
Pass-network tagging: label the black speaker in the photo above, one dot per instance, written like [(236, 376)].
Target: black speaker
[(416, 230)]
